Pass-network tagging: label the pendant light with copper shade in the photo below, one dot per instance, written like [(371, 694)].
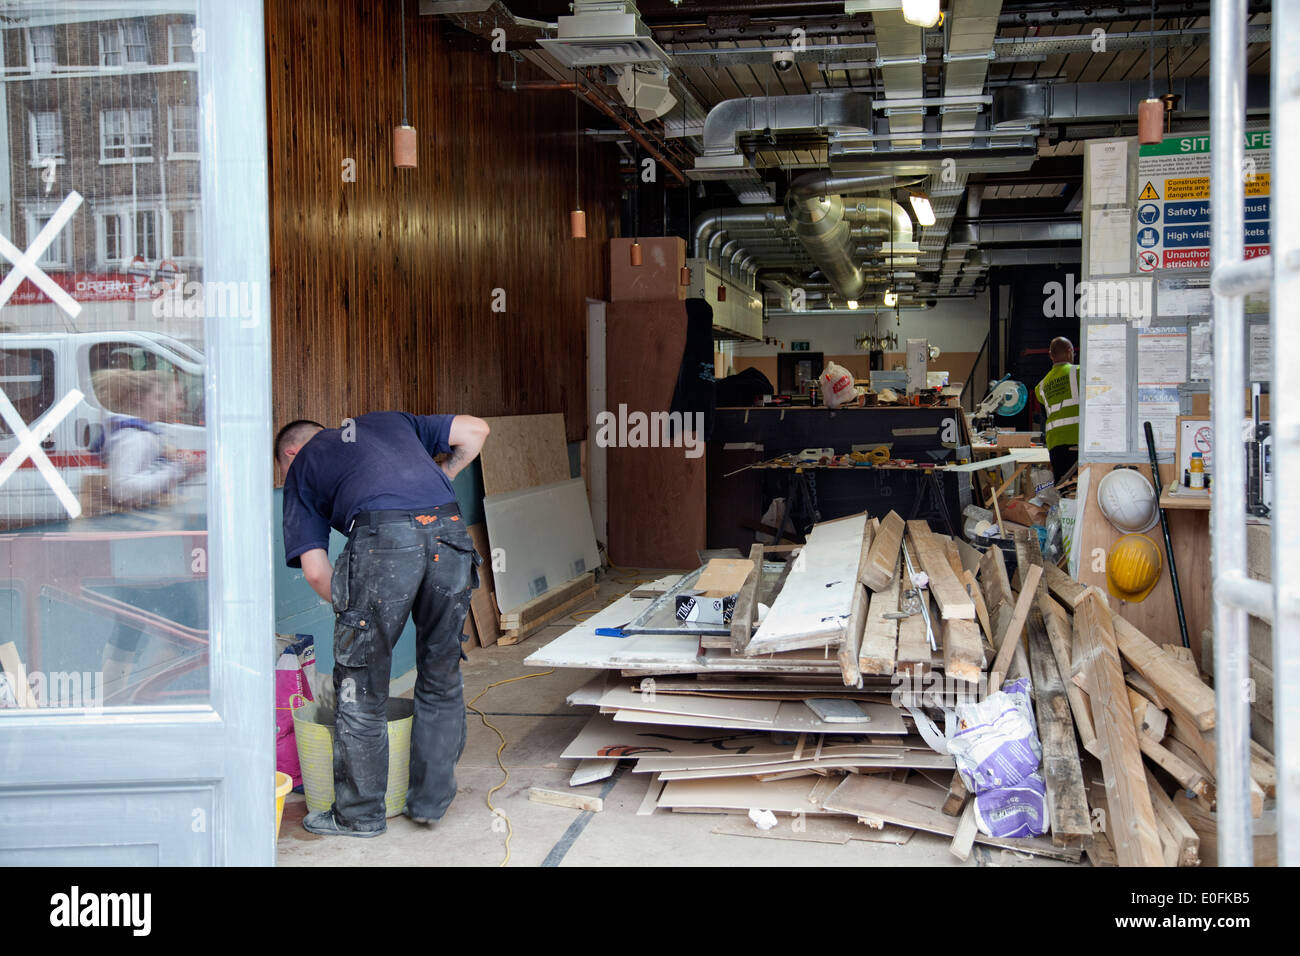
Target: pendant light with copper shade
[(404, 151), (577, 218), (1151, 111), (634, 254)]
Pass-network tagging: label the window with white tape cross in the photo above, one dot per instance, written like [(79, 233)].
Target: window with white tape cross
[(103, 443)]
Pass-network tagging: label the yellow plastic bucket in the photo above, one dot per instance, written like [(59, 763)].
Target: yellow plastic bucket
[(283, 784), (313, 728)]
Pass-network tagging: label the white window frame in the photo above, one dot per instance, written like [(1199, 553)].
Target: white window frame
[(116, 31), (159, 250), (172, 152), (126, 41), (64, 237), (126, 238), (31, 52), (128, 145), (34, 157), (125, 212), (169, 246), (186, 31)]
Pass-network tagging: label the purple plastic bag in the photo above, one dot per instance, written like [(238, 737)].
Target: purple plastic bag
[(1013, 812), (996, 744)]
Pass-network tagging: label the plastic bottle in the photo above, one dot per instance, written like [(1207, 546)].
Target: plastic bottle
[(1197, 471)]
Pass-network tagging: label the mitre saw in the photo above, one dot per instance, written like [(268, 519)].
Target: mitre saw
[(1005, 398)]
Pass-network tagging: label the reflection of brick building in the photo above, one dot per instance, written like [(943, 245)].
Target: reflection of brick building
[(107, 108)]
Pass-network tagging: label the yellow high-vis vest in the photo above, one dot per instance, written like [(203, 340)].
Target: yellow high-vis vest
[(1059, 393)]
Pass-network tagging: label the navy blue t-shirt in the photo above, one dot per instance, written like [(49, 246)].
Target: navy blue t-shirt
[(388, 466)]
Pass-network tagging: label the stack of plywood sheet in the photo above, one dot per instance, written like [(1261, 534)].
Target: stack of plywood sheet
[(538, 546), (821, 707)]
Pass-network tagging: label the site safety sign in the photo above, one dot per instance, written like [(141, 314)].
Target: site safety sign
[(1172, 222)]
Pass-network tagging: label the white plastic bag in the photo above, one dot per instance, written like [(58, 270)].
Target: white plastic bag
[(837, 386)]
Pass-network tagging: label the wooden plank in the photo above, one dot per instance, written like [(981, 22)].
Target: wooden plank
[(957, 796), (993, 578), (558, 798), (538, 607), (723, 577), (851, 642), (483, 600), (954, 557), (880, 634), (964, 839), (1150, 720), (1067, 801), (963, 652), (524, 451), (1133, 830), (1058, 634), (914, 656), (883, 557), (743, 614), (1184, 765), (1201, 818), (16, 674), (947, 591), (1009, 639), (1263, 770), (1182, 692), (521, 634), (981, 609), (1063, 586), (1185, 843)]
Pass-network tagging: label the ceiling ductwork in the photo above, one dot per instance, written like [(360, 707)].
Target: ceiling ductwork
[(900, 55), (603, 33), (973, 26), (772, 116), (816, 211)]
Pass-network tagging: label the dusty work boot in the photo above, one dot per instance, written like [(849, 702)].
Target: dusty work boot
[(325, 823), (426, 821)]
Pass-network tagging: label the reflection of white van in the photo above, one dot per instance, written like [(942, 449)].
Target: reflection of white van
[(37, 369)]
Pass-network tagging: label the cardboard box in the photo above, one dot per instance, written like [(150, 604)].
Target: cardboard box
[(698, 609)]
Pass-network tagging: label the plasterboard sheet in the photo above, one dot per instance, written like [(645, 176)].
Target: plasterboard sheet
[(802, 794), (814, 601), (544, 536), (792, 717), (761, 712), (602, 737), (659, 654), (897, 761)]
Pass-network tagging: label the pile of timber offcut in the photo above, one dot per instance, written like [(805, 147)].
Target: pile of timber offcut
[(811, 710)]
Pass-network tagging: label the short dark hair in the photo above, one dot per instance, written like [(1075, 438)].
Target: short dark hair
[(292, 432)]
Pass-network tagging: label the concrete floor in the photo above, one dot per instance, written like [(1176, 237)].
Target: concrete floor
[(538, 725)]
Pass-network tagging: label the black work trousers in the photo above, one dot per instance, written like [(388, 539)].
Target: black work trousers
[(422, 564)]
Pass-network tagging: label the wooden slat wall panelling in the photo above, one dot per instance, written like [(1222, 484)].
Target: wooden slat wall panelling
[(382, 288)]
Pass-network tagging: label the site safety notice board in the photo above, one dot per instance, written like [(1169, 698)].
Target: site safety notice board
[(1172, 220)]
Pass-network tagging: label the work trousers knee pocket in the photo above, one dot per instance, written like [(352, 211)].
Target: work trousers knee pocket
[(457, 572)]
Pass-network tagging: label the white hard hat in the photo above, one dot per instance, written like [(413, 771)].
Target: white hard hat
[(1128, 501)]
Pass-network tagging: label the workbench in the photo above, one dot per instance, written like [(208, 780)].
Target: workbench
[(744, 437)]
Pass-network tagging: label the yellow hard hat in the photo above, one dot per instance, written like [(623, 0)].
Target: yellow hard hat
[(1132, 567)]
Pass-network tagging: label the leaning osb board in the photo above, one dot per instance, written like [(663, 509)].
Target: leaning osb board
[(524, 451)]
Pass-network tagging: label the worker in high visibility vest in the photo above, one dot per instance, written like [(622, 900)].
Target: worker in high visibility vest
[(1059, 394)]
